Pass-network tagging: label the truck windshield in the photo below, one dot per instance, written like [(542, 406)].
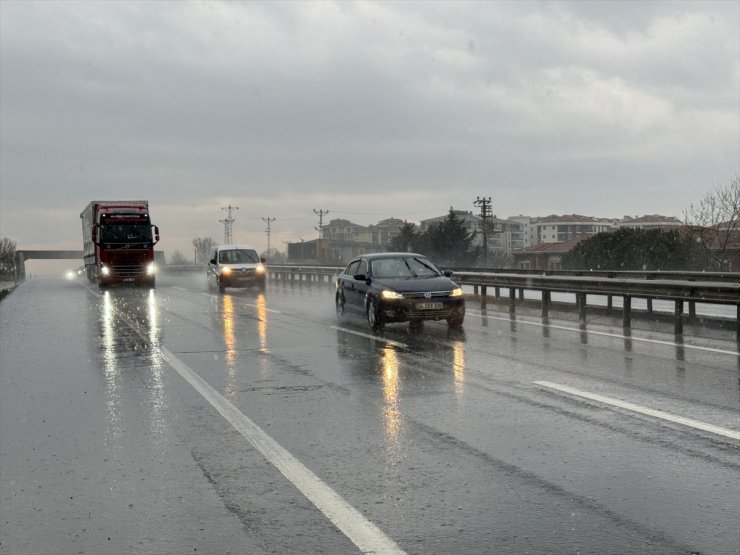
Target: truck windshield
[(126, 235)]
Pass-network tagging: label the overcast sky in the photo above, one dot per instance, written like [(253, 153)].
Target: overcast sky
[(368, 110)]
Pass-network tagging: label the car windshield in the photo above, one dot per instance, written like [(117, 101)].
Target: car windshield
[(238, 256), (404, 267)]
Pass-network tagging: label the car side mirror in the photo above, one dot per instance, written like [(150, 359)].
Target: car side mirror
[(263, 259), (212, 261), (447, 273)]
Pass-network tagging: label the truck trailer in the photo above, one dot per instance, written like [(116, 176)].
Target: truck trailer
[(118, 241)]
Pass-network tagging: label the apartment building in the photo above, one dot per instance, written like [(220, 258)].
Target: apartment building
[(652, 221), (556, 229)]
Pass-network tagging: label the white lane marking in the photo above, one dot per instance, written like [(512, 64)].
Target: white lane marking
[(726, 432), (615, 335), (263, 308), (363, 533), (375, 337)]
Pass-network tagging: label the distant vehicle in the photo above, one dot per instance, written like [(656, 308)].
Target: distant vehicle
[(398, 287), (236, 266), (118, 242)]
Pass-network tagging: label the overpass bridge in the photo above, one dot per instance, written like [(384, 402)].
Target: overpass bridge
[(22, 255)]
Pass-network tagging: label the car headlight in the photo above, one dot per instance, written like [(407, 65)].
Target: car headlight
[(387, 294), (150, 269), (225, 270), (260, 269), (105, 271), (456, 292)]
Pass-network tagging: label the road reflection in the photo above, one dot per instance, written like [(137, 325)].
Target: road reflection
[(239, 316), (129, 340), (435, 361)]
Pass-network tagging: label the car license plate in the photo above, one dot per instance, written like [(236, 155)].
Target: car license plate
[(428, 306)]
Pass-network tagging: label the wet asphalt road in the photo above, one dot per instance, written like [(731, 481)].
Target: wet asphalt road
[(181, 421)]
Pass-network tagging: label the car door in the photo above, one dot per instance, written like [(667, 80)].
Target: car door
[(346, 283), (356, 289), (212, 273)]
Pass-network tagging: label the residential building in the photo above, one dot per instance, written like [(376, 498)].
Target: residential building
[(556, 229), (653, 221), (545, 256)]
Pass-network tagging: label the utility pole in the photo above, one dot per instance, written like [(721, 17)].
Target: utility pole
[(486, 212), (228, 221), (268, 231), (320, 214)]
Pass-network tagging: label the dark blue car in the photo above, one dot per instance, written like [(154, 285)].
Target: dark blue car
[(398, 287)]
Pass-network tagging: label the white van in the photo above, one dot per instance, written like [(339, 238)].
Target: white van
[(236, 266)]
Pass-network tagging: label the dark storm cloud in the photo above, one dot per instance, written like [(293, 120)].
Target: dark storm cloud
[(385, 109)]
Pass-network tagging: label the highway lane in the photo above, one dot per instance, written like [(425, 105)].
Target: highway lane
[(434, 442)]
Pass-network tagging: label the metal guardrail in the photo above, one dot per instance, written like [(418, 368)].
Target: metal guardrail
[(729, 277), (679, 287), (677, 291)]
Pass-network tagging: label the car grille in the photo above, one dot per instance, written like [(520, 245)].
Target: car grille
[(423, 294), (441, 313)]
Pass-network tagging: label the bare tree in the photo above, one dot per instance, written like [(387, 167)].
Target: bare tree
[(178, 259), (715, 221), (203, 247), (7, 257)]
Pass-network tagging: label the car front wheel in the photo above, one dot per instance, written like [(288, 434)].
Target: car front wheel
[(341, 309), (455, 321), (374, 318)]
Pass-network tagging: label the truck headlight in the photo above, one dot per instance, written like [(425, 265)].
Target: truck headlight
[(105, 271), (150, 269)]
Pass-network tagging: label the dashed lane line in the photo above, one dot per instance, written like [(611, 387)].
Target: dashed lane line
[(397, 344), (725, 432), (615, 335)]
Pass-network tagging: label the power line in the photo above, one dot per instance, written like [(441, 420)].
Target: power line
[(486, 212), (228, 222), (320, 229), (268, 231)]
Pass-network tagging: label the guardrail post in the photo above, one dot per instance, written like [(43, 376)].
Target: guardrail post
[(609, 302), (475, 290), (521, 294), (678, 319), (627, 312), (650, 306), (737, 325), (512, 300), (483, 297), (497, 291), (581, 302), (692, 310), (545, 306)]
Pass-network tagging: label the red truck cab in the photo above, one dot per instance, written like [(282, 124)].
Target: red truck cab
[(118, 242)]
